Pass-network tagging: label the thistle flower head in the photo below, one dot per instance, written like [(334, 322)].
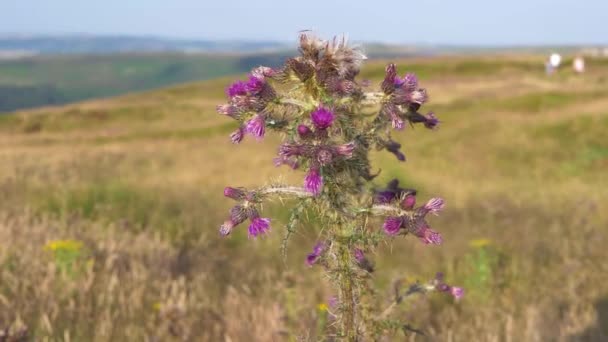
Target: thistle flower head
[(237, 136), (228, 110), (304, 131), (292, 163), (346, 150), (259, 226), (441, 286), (392, 225), (419, 96), (226, 228), (388, 85), (384, 197), (317, 250), (409, 201), (359, 255), (457, 292), (431, 121), (238, 88), (429, 236), (409, 82), (261, 72), (256, 126), (255, 84), (234, 193), (291, 150), (324, 156), (313, 182), (394, 148), (322, 118), (434, 205), (238, 214)]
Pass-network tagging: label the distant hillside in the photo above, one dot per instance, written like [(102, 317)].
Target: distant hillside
[(91, 44), (51, 80)]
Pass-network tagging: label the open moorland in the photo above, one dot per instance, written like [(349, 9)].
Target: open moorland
[(110, 209)]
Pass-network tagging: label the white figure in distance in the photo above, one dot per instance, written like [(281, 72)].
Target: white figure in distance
[(578, 64), (555, 60)]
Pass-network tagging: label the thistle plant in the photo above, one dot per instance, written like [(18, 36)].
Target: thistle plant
[(330, 123)]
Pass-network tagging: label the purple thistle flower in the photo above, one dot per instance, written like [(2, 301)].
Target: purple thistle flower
[(255, 85), (313, 182), (392, 225), (429, 236), (256, 126), (226, 228), (410, 82), (259, 226), (431, 121), (262, 72), (394, 148), (317, 250), (457, 292), (434, 205), (304, 131), (291, 150), (322, 118), (346, 150), (388, 84), (419, 96), (399, 82), (286, 161), (228, 110), (408, 202), (384, 197), (237, 136), (234, 193), (359, 255), (238, 88), (333, 302)]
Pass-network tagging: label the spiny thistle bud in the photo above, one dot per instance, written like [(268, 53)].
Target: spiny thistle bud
[(408, 202), (304, 131), (234, 193)]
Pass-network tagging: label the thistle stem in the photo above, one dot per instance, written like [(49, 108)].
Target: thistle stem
[(287, 190), (348, 296)]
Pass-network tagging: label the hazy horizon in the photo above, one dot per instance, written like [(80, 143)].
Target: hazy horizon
[(468, 22)]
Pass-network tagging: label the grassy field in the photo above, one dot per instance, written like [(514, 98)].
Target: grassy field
[(110, 211)]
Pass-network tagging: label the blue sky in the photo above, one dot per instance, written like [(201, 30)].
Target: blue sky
[(476, 22)]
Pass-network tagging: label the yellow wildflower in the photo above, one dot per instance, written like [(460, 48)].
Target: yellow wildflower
[(479, 243), (63, 245)]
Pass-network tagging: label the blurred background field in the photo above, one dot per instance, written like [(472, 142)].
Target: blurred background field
[(111, 207)]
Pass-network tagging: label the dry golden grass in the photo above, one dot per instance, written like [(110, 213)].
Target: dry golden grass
[(520, 158)]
